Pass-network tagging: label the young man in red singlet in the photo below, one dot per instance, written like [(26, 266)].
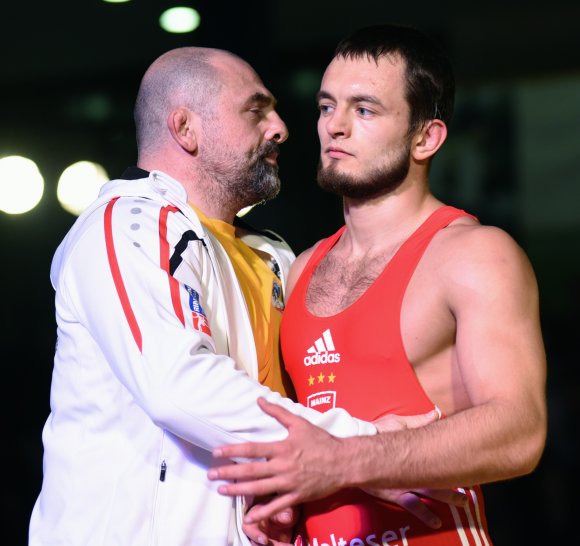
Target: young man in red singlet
[(411, 305)]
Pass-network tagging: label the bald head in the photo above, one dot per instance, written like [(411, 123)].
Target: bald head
[(184, 77)]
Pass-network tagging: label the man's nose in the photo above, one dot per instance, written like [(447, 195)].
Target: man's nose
[(278, 132)]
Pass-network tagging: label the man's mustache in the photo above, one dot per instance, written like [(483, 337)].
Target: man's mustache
[(267, 149)]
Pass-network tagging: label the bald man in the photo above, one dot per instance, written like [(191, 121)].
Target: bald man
[(167, 317), (168, 314)]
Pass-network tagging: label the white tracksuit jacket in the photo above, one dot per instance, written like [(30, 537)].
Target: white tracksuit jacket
[(140, 392)]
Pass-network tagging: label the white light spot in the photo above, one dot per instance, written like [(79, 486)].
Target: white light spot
[(79, 185), (179, 20), (21, 184)]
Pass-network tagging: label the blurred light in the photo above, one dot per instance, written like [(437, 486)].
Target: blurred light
[(305, 82), (116, 1), (21, 184), (179, 20), (95, 108), (244, 211), (79, 185)]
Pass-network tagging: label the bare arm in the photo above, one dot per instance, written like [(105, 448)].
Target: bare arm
[(492, 293)]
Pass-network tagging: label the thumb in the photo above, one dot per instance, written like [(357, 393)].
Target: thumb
[(392, 422), (416, 421), (286, 518)]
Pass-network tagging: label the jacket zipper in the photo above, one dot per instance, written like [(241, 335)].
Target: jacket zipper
[(163, 471)]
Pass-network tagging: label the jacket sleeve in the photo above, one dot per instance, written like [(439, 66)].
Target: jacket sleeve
[(151, 329)]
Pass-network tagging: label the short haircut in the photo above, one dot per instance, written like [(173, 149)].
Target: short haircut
[(181, 77), (430, 83)]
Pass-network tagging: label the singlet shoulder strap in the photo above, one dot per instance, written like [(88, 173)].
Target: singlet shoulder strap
[(438, 220), (405, 260), (443, 216)]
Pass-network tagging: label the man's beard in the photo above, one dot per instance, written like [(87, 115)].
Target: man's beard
[(245, 181), (380, 181)]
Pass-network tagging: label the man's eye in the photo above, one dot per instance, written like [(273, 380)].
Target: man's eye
[(364, 111), (324, 108)]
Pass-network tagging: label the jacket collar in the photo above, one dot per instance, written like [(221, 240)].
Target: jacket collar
[(134, 173)]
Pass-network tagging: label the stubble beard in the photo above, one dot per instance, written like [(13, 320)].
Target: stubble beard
[(380, 181)]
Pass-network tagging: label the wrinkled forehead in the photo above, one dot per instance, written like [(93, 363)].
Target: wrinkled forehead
[(240, 80)]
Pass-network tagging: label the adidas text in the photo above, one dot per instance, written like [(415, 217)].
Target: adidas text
[(322, 358)]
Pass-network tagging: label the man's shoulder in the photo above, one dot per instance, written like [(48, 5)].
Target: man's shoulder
[(305, 256), (466, 240), (469, 256), (299, 265)]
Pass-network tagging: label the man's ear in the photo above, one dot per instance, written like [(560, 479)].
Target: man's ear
[(181, 124), (429, 140)]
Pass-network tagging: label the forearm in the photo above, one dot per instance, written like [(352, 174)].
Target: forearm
[(487, 443), (176, 371)]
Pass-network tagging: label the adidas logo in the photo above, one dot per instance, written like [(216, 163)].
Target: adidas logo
[(323, 351)]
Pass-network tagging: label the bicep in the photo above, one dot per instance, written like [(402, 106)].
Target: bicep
[(499, 348)]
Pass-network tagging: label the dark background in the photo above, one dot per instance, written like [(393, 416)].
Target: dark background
[(68, 78)]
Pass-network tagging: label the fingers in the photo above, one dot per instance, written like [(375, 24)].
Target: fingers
[(391, 422), (254, 532), (259, 450), (260, 537), (248, 450), (283, 416), (415, 506), (416, 421), (285, 519), (448, 496), (275, 531), (257, 488), (268, 536), (269, 509), (247, 471)]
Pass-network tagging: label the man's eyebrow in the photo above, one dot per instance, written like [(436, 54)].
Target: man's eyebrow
[(353, 99), (261, 99), (365, 98), (323, 95)]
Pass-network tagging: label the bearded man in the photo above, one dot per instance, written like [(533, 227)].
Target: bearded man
[(412, 305)]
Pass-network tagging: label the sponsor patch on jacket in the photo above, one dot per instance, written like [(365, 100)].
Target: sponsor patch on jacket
[(198, 317)]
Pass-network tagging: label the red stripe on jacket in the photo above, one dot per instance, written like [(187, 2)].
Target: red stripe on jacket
[(117, 278), (164, 261)]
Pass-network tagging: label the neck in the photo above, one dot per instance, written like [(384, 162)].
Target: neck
[(375, 224), (200, 191), (210, 207)]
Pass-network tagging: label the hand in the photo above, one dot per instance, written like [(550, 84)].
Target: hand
[(290, 469), (412, 501), (391, 422), (275, 531)]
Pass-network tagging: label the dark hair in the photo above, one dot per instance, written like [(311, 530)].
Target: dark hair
[(429, 77)]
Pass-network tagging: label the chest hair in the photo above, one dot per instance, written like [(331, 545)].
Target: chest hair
[(337, 283)]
